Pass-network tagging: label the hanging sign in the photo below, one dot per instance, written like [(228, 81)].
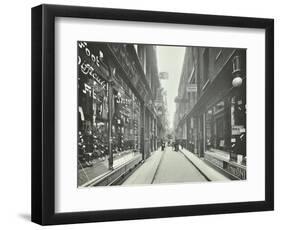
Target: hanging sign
[(237, 129), (191, 87)]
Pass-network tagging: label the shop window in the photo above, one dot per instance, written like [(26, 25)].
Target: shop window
[(208, 131), (215, 127), (126, 124), (238, 110), (93, 116), (220, 133), (92, 127), (238, 125)]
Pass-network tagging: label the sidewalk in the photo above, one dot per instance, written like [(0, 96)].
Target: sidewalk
[(208, 171), (145, 173)]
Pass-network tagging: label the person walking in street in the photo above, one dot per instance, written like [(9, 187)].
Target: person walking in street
[(176, 145), (163, 145)]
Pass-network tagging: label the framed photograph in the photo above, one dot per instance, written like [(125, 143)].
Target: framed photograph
[(142, 114)]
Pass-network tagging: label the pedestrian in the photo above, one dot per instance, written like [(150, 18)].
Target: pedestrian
[(163, 146), (176, 146)]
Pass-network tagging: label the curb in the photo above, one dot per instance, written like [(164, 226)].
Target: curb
[(203, 174), (149, 167), (157, 168), (209, 171)]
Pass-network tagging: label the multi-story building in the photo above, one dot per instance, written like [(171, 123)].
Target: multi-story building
[(147, 56), (186, 99), (162, 116), (217, 120)]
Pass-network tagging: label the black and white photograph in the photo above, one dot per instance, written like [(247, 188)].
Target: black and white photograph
[(140, 114), (153, 114)]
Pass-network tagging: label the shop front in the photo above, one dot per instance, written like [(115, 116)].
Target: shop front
[(93, 76), (222, 130), (109, 115), (126, 122), (216, 126), (221, 135)]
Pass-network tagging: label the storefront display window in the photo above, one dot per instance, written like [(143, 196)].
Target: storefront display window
[(92, 127), (215, 127), (208, 124), (102, 146), (222, 128), (238, 109), (126, 124), (238, 128), (219, 131)]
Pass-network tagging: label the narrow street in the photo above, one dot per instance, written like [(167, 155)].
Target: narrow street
[(166, 166), (134, 99), (174, 168)]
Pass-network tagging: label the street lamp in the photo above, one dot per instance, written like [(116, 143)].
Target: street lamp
[(237, 69), (237, 81)]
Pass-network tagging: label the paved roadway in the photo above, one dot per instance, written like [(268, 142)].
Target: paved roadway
[(165, 166), (175, 168)]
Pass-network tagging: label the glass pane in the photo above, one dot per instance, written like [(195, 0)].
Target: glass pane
[(238, 127), (92, 114), (125, 126), (208, 125)]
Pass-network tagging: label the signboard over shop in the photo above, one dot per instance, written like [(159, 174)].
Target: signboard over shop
[(191, 87), (237, 129), (164, 75), (91, 62)]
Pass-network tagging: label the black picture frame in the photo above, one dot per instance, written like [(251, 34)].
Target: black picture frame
[(43, 113)]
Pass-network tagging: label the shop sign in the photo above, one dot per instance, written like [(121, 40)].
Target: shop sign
[(120, 100), (191, 88), (164, 75), (88, 69), (237, 129), (90, 63), (96, 59)]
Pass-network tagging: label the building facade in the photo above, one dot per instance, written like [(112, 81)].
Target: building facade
[(215, 120), (186, 99), (118, 85)]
